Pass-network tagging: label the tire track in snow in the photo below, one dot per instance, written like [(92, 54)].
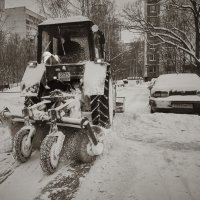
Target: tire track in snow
[(64, 186), (8, 166)]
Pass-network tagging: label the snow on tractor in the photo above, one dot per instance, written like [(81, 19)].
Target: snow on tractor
[(69, 90)]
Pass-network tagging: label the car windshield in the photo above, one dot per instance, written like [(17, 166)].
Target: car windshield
[(69, 43)]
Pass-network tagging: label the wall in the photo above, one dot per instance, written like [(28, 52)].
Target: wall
[(15, 21)]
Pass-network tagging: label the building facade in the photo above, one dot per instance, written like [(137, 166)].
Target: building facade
[(21, 21), (152, 58)]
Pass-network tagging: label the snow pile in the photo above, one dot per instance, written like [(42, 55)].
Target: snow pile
[(13, 101), (111, 141), (6, 140), (177, 82), (94, 78), (107, 178)]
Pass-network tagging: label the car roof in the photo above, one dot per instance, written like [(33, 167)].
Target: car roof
[(182, 81), (67, 20), (178, 76)]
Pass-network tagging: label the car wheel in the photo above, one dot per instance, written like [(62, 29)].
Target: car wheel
[(152, 110)]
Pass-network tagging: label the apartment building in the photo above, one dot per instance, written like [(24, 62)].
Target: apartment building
[(22, 21)]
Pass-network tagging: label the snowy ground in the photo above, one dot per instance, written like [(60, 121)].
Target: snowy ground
[(147, 157)]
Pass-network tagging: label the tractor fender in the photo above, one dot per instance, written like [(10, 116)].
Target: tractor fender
[(94, 78), (31, 79)]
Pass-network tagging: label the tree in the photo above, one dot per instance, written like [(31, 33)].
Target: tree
[(178, 27), (60, 8), (14, 56)]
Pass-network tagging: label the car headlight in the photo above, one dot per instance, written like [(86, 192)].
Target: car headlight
[(160, 94)]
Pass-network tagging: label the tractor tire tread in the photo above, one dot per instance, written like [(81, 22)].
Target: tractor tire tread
[(17, 142), (45, 159)]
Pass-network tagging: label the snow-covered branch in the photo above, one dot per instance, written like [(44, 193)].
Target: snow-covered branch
[(179, 25), (180, 47)]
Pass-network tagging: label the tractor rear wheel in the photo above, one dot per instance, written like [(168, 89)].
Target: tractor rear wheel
[(20, 151), (102, 105)]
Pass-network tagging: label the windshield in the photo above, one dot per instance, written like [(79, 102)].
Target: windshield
[(70, 43)]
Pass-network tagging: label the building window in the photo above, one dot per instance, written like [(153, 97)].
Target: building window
[(152, 9), (152, 69), (153, 21), (152, 57), (152, 47)]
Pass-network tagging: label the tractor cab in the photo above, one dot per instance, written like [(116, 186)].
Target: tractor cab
[(69, 40), (67, 47)]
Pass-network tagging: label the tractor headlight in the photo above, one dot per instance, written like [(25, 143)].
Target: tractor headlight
[(99, 61), (32, 64)]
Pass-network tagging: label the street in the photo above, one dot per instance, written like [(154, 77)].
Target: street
[(146, 157)]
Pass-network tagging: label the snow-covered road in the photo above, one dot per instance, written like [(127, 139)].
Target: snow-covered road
[(147, 157)]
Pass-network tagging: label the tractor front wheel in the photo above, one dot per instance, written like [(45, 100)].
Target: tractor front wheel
[(21, 151), (48, 158)]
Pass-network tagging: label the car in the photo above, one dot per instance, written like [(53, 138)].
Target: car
[(120, 83), (179, 93), (125, 80)]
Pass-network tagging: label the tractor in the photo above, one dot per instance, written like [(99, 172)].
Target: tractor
[(68, 95)]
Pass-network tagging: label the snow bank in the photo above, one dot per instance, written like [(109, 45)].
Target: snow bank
[(6, 140), (13, 101), (111, 142), (94, 78), (14, 89)]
